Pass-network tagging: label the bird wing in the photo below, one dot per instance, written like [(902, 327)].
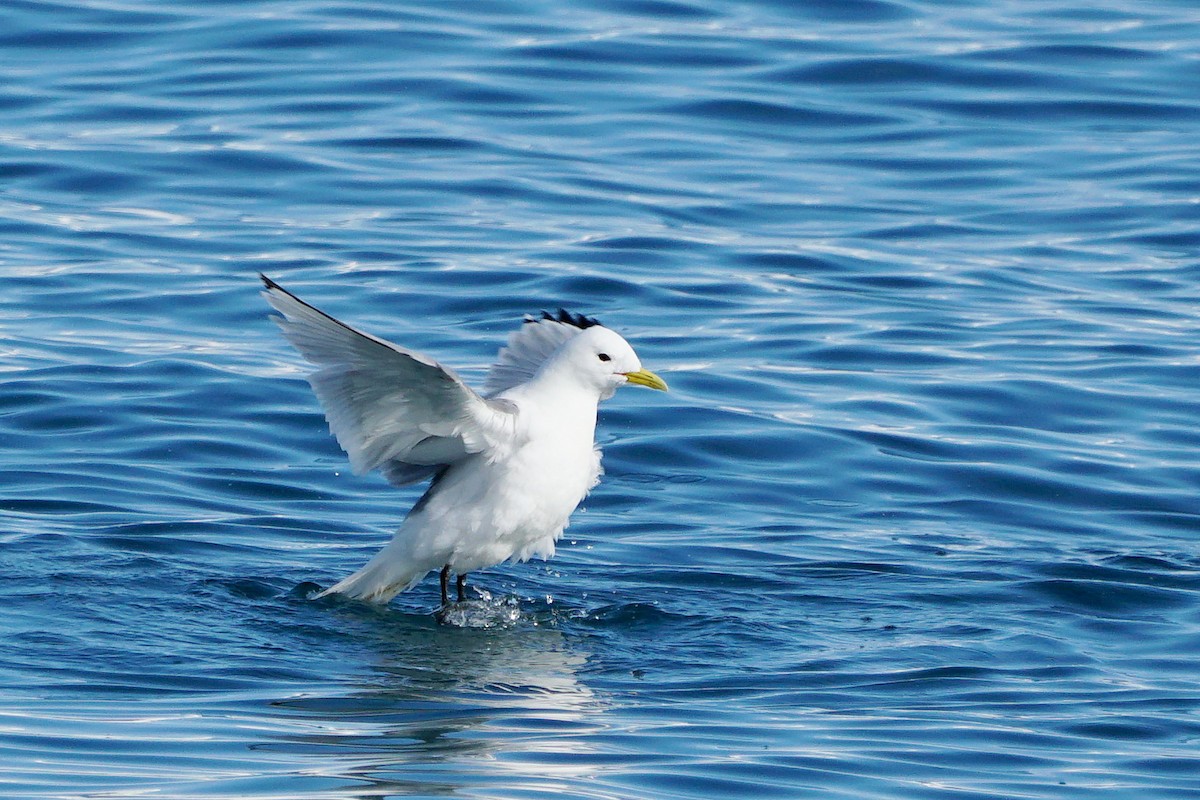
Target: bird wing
[(530, 345), (389, 407)]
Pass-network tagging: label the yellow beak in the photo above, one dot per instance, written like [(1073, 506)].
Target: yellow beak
[(644, 377)]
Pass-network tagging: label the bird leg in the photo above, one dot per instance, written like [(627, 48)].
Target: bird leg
[(445, 580), (461, 585)]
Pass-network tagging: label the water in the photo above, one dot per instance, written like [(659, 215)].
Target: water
[(918, 519)]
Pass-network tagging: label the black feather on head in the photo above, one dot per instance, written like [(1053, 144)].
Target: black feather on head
[(567, 318)]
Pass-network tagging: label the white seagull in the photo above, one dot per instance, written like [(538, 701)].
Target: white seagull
[(508, 466)]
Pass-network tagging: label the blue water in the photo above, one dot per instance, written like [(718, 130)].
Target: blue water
[(919, 518)]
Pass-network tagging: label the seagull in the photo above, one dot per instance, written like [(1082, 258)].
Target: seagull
[(506, 467)]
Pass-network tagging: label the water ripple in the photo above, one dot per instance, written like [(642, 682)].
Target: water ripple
[(916, 520)]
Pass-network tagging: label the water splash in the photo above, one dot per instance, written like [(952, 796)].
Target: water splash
[(484, 611)]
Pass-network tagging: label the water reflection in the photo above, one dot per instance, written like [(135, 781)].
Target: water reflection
[(445, 709)]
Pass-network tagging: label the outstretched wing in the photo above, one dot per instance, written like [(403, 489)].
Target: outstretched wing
[(530, 345), (389, 407)]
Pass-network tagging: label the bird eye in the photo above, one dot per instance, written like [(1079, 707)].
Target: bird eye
[(605, 357)]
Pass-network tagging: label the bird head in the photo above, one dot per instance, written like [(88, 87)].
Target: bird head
[(601, 359)]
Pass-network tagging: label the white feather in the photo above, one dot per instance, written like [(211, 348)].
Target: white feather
[(529, 346), (388, 406)]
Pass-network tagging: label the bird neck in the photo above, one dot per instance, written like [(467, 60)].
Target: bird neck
[(558, 396)]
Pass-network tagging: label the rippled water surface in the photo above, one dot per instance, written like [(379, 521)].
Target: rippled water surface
[(919, 518)]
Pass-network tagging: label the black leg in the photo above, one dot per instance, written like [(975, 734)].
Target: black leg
[(462, 587), (445, 580)]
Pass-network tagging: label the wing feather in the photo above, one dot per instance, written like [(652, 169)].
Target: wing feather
[(530, 345), (388, 406)]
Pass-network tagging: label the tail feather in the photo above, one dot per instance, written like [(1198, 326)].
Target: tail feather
[(386, 575)]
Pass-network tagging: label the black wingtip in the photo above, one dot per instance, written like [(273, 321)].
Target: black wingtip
[(267, 282), (567, 318)]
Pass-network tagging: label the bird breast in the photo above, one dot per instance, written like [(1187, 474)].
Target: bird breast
[(561, 460)]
